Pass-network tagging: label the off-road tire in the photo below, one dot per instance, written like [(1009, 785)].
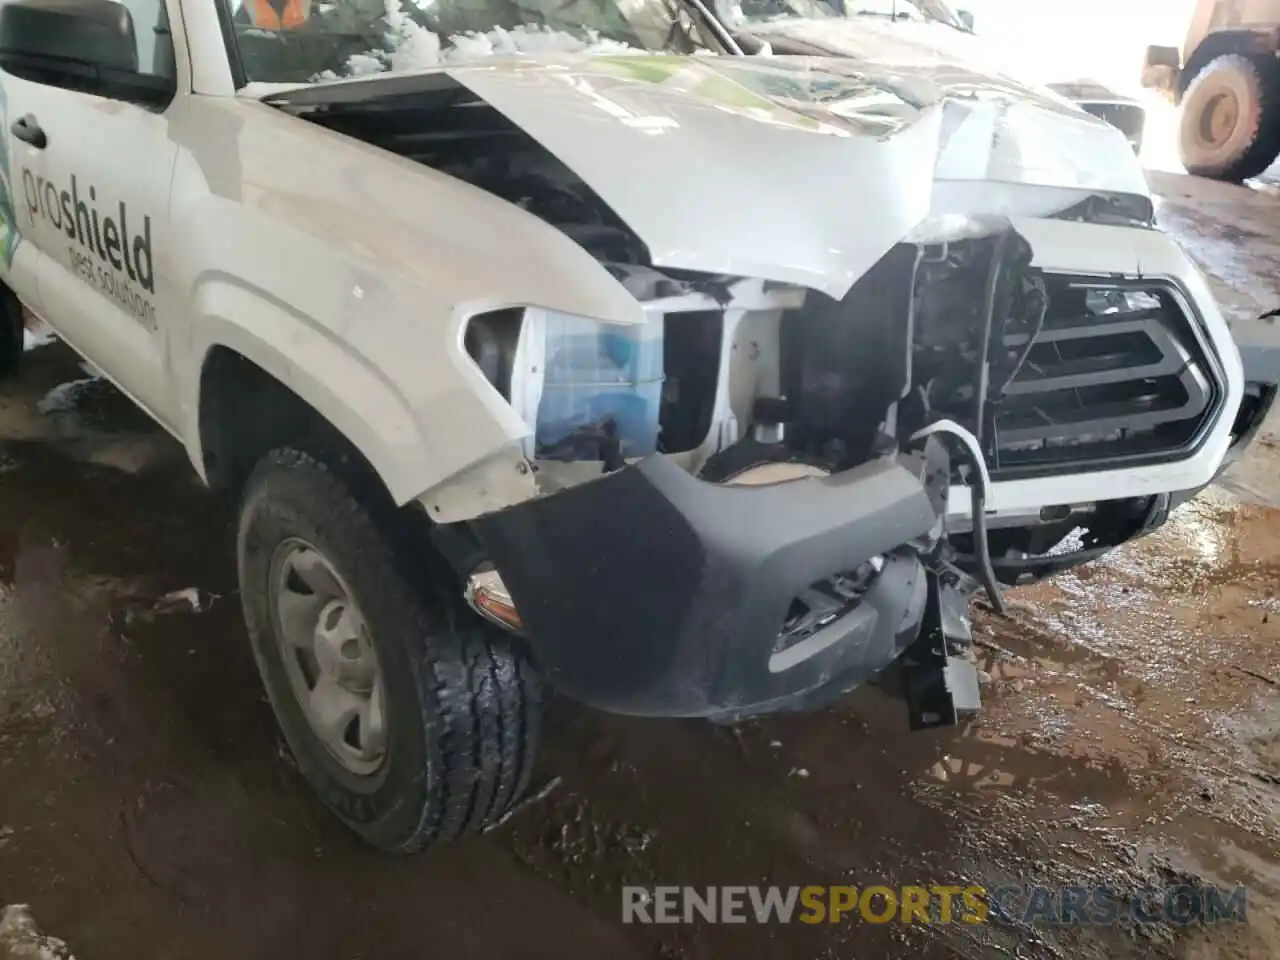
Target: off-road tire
[(462, 703), (1254, 143), (12, 338)]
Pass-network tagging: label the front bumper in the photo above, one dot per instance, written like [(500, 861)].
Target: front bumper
[(651, 592)]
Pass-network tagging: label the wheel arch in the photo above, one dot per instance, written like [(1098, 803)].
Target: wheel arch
[(266, 384)]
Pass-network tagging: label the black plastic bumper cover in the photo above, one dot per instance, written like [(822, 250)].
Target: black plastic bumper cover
[(651, 592)]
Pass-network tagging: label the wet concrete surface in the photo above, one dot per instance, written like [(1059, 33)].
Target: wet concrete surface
[(148, 807)]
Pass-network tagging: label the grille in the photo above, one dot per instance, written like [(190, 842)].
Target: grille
[(823, 603), (1116, 376)]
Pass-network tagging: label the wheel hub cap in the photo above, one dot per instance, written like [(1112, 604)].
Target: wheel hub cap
[(329, 657), (1220, 119)]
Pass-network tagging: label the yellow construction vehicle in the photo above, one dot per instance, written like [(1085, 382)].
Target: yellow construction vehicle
[(1227, 80)]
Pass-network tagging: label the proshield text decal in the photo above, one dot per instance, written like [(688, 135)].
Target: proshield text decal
[(111, 249)]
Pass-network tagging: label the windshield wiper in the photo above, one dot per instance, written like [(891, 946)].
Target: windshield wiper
[(698, 9)]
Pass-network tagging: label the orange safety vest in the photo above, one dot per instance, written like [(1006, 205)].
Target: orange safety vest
[(265, 16)]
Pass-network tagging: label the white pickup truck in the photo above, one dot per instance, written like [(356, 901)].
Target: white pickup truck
[(565, 341)]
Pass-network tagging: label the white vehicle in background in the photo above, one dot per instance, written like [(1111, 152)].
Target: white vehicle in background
[(563, 342)]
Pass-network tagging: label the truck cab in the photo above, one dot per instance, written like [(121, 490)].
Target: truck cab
[(579, 348)]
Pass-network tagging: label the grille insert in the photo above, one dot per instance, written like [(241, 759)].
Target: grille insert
[(1116, 373)]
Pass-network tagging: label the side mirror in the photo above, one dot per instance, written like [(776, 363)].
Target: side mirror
[(87, 45), (966, 18), (83, 33)]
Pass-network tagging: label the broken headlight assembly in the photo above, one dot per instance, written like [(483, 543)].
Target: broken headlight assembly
[(590, 389)]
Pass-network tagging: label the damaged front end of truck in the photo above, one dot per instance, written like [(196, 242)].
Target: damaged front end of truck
[(778, 475), (781, 559)]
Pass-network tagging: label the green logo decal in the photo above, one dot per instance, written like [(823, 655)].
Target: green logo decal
[(10, 236)]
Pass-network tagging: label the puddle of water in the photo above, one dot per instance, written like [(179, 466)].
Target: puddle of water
[(986, 762), (1163, 659), (1146, 603)]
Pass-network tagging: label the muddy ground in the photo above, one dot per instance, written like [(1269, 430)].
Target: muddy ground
[(149, 809)]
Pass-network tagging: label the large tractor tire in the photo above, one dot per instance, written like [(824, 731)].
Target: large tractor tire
[(1231, 118)]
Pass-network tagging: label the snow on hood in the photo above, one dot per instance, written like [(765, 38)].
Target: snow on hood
[(801, 170)]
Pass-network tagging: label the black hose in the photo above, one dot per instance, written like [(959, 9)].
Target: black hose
[(982, 384), (986, 571), (977, 489)]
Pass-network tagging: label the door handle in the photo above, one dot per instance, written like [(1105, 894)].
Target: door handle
[(29, 131)]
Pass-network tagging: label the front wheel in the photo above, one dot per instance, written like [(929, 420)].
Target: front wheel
[(1230, 126), (12, 332), (413, 721)]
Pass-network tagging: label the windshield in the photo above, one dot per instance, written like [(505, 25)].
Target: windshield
[(736, 13), (295, 41)]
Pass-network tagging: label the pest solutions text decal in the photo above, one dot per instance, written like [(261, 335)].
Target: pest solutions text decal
[(124, 270)]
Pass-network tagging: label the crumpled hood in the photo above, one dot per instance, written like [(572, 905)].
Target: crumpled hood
[(801, 170)]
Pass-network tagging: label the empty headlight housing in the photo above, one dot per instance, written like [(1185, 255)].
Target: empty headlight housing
[(595, 386)]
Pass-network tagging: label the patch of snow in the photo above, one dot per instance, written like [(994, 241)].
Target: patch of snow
[(1071, 543), (64, 398), (37, 336), (192, 598), (411, 46), (363, 65), (550, 787), (21, 939), (529, 39)]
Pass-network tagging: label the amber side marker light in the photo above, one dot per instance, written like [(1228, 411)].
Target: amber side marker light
[(488, 596)]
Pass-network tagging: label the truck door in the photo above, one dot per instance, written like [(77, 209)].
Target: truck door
[(93, 188), (19, 260)]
